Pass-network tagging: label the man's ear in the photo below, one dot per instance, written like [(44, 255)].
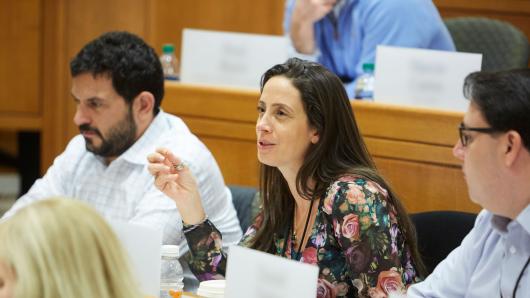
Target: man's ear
[(512, 146), (143, 105)]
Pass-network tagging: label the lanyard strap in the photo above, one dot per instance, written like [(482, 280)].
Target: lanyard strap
[(520, 276), (518, 279), (290, 227)]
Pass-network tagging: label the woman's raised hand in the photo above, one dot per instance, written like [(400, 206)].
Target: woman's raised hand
[(175, 179)]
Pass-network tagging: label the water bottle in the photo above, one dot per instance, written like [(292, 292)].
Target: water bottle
[(169, 62), (364, 86), (171, 274)]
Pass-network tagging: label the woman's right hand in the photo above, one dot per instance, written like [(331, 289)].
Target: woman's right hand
[(175, 180)]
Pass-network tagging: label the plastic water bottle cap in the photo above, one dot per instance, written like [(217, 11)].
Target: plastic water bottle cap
[(368, 67), (170, 250), (168, 48)]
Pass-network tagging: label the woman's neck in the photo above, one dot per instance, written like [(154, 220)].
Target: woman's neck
[(301, 204), (303, 217)]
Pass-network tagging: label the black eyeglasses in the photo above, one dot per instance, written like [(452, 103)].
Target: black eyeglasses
[(466, 139)]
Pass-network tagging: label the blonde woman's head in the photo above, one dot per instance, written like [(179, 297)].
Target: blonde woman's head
[(62, 248)]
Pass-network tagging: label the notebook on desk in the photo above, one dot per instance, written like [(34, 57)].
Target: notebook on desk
[(228, 58), (252, 273)]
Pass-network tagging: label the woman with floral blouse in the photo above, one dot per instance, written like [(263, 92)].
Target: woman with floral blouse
[(322, 200)]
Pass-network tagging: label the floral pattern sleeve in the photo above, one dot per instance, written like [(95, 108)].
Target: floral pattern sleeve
[(355, 241), (208, 261), (366, 231)]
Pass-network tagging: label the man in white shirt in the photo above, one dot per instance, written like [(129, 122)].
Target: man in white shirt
[(118, 85), (493, 260)]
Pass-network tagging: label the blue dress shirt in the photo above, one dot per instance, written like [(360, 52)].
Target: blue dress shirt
[(488, 263), (347, 38)]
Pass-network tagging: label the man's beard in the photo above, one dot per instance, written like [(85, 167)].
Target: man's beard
[(120, 138)]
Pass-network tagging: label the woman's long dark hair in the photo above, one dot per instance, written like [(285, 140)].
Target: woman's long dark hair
[(339, 151)]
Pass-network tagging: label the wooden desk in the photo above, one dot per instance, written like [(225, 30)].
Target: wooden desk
[(224, 119), (411, 147)]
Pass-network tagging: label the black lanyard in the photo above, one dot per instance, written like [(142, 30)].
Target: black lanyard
[(518, 279), (290, 227)]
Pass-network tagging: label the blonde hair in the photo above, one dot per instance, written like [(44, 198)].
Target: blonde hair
[(63, 248)]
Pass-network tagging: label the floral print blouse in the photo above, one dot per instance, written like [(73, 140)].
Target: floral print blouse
[(355, 241)]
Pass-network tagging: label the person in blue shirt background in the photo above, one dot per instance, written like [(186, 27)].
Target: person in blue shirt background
[(343, 34)]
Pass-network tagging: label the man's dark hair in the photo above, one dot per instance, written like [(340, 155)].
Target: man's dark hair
[(503, 98), (132, 65)]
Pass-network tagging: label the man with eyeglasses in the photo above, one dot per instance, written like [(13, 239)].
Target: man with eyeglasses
[(494, 145)]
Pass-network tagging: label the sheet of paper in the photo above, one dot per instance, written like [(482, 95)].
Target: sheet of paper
[(251, 273), (424, 78), (229, 59), (143, 244)]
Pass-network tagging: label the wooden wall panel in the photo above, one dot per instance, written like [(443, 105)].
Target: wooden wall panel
[(412, 151), (240, 167), (8, 143), (516, 12), (224, 119), (169, 17), (68, 26), (87, 20), (426, 187), (232, 143), (20, 58), (419, 124), (54, 133)]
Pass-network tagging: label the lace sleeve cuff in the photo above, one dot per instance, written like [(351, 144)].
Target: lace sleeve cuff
[(188, 228)]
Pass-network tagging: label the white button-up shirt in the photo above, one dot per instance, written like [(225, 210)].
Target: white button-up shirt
[(488, 263), (124, 189)]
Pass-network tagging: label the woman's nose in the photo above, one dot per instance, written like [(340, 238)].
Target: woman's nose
[(262, 124)]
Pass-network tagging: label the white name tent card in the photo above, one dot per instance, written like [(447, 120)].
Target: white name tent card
[(424, 78), (252, 273), (230, 59), (143, 244)]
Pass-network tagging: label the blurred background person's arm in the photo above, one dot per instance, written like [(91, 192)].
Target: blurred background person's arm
[(301, 15)]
